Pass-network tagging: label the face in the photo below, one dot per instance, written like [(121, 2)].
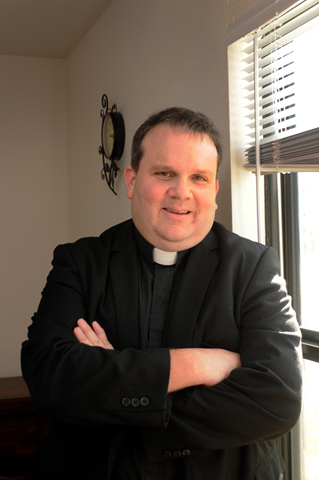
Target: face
[(173, 192)]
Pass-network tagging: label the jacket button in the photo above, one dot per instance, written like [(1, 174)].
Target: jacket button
[(177, 453), (144, 401), (126, 402), (186, 452), (135, 402), (167, 454)]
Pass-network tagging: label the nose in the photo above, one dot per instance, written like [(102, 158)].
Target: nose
[(180, 189)]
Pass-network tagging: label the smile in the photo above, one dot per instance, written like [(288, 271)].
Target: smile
[(182, 212)]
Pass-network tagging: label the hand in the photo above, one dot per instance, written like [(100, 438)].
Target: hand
[(94, 337), (200, 366), (217, 364)]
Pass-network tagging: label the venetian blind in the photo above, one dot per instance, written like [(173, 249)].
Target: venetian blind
[(281, 67)]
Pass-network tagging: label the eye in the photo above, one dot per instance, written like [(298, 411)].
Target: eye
[(163, 174), (199, 178)]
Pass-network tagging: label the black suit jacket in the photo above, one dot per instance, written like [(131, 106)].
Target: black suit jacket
[(230, 296)]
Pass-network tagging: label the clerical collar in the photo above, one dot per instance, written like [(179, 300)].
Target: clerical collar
[(164, 258), (148, 251)]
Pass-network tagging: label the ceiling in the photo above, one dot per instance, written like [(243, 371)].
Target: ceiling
[(46, 28)]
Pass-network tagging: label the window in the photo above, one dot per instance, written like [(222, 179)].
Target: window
[(309, 249), (310, 440), (274, 127), (308, 195), (295, 232)]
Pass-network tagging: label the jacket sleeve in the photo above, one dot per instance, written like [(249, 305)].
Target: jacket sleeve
[(259, 401), (82, 384)]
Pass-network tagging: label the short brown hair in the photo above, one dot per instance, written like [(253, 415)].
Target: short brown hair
[(175, 117)]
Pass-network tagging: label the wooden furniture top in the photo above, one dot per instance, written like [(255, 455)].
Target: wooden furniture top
[(13, 388)]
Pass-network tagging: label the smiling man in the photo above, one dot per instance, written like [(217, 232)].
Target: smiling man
[(167, 347), (173, 191)]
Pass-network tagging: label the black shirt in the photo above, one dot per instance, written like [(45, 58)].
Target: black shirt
[(155, 284)]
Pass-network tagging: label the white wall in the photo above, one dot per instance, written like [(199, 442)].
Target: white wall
[(33, 190)]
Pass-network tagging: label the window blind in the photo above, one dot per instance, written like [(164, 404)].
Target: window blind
[(281, 93)]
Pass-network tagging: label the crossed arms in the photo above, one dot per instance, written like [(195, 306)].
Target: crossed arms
[(188, 366)]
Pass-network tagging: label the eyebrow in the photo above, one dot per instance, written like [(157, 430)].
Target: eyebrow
[(165, 166)]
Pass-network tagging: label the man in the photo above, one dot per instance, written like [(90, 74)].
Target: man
[(166, 348)]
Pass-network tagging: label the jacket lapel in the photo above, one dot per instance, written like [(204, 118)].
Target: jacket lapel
[(190, 286), (124, 277)]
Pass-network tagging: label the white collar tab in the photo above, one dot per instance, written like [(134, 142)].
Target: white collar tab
[(164, 258)]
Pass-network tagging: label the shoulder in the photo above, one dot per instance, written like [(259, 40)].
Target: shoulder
[(118, 235), (243, 252), (231, 240), (95, 248)]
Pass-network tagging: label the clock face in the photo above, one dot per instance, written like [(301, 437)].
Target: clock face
[(108, 136)]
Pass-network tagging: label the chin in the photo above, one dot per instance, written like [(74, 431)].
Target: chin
[(177, 244)]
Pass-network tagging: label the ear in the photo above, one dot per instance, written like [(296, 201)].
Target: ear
[(216, 191), (129, 177)]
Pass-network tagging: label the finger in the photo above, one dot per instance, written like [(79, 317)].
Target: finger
[(88, 336), (100, 332), (80, 336)]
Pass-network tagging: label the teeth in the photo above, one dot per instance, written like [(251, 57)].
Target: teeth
[(175, 211)]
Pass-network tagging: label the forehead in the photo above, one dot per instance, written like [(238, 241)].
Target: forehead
[(163, 142)]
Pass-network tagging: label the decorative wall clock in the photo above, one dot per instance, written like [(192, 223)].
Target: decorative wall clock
[(113, 141)]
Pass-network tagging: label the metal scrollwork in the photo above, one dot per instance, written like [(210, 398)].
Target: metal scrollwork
[(110, 168)]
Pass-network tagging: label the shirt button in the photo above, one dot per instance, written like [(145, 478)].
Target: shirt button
[(126, 402), (177, 453), (186, 452), (167, 454), (135, 402), (144, 401)]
